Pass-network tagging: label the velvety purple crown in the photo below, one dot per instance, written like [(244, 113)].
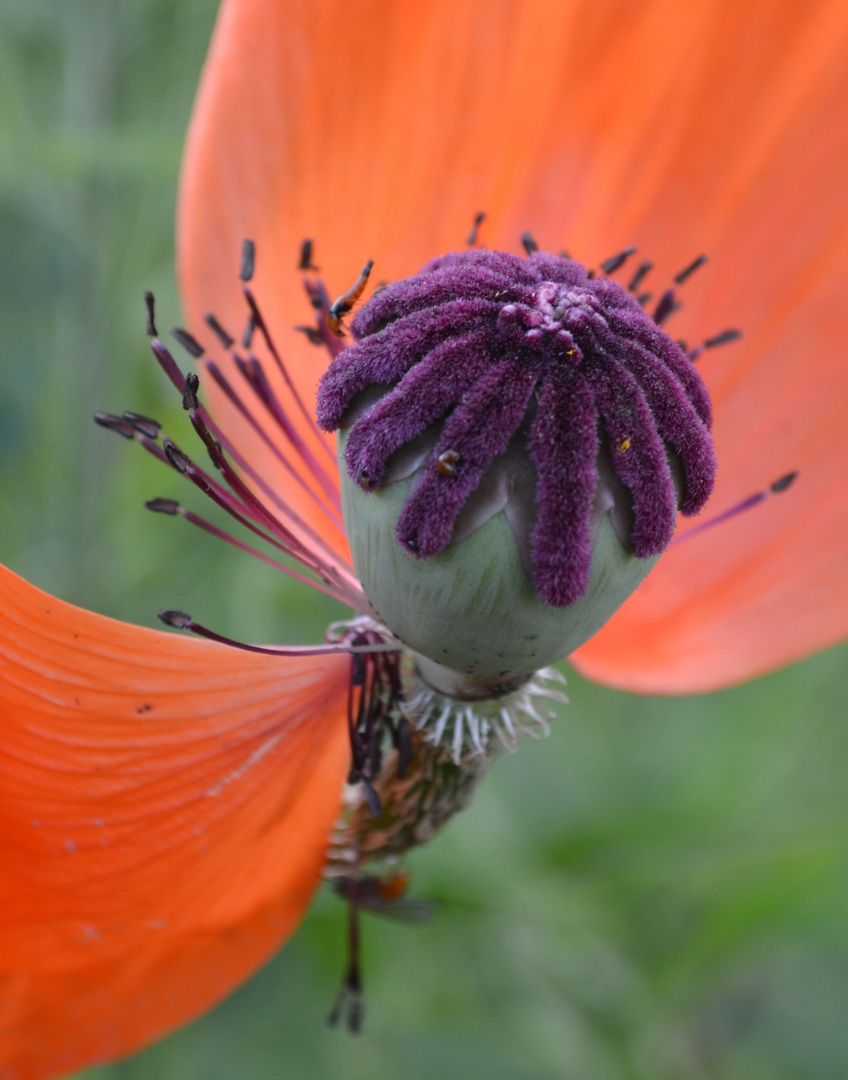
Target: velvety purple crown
[(482, 342)]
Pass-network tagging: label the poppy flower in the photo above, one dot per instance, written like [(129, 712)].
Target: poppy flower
[(166, 803)]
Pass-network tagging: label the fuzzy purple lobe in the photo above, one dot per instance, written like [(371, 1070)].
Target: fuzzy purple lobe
[(480, 341)]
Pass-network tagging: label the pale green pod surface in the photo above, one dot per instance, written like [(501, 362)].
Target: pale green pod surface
[(472, 608)]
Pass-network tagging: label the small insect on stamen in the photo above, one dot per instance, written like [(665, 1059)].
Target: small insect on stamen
[(343, 305), (447, 463)]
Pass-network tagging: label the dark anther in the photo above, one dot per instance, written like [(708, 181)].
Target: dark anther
[(248, 260), (313, 336), (403, 743), (610, 265), (372, 799), (180, 461), (447, 463), (643, 298), (115, 423), (784, 482), (365, 478), (411, 544), (190, 391), (144, 425), (687, 271), (724, 338), (305, 262), (178, 619), (247, 336), (590, 274), (636, 280), (667, 304), (529, 243), (218, 330), (163, 506), (150, 304), (350, 995), (479, 218), (191, 345), (357, 669)]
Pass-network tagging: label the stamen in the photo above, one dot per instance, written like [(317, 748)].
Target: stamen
[(248, 260), (529, 244), (313, 336), (225, 385), (247, 336), (644, 269), (150, 303), (115, 423), (190, 392), (668, 304), (724, 338), (181, 462), (262, 327), (143, 424), (687, 271), (609, 266), (350, 995), (780, 485), (163, 506), (305, 261), (479, 218), (190, 343), (218, 330), (181, 620)]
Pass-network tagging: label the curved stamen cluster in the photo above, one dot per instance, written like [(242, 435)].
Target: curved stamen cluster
[(480, 343)]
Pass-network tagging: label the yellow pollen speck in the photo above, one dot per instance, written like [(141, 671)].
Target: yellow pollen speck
[(624, 446)]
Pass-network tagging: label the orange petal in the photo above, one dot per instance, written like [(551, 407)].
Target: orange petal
[(379, 130), (164, 810)]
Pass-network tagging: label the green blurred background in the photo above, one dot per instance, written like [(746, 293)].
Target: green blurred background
[(657, 892)]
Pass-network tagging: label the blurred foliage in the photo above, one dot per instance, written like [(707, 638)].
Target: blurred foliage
[(657, 892)]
